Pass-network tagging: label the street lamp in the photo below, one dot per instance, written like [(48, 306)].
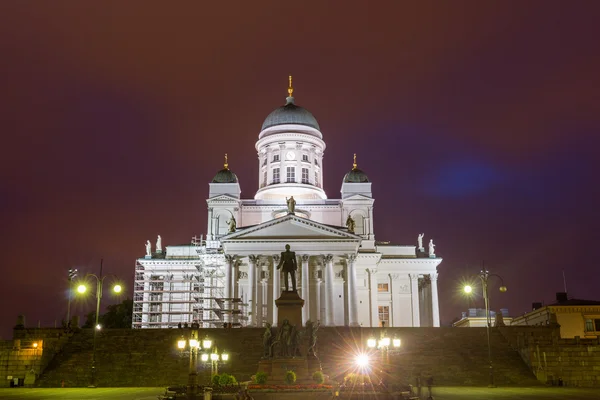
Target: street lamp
[(210, 354), (484, 275), (82, 289), (384, 345), (72, 274)]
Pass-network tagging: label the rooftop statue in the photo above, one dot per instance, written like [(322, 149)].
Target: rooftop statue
[(288, 265), (148, 248), (431, 247), (291, 204), (158, 244), (350, 224), (232, 224), (420, 240)]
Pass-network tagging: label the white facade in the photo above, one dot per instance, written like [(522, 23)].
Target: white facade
[(346, 278)]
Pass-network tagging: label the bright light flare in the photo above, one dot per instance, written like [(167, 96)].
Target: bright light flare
[(385, 341), (81, 289), (371, 343), (207, 343), (204, 357), (397, 342), (468, 289), (98, 327), (362, 360), (181, 344), (224, 356), (117, 288), (214, 357)]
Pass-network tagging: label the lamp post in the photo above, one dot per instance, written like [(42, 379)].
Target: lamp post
[(485, 275), (384, 345), (210, 354), (72, 274), (82, 289)]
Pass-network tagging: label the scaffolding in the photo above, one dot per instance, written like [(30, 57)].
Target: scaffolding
[(170, 294)]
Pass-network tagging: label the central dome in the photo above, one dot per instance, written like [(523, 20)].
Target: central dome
[(290, 114)]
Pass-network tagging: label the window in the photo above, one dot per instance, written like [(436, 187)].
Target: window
[(291, 174), (275, 157), (305, 157), (264, 162), (592, 325), (384, 316), (305, 175), (317, 179), (275, 175), (316, 162), (383, 287)]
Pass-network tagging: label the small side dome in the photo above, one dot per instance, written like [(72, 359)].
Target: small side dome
[(225, 175), (356, 175)]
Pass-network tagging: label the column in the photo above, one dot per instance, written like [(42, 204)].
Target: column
[(305, 289), (227, 291), (373, 297), (252, 260), (435, 305), (276, 286), (329, 314), (414, 296), (352, 292), (264, 288), (317, 297)]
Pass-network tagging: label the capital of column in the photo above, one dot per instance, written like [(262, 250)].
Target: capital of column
[(328, 258), (253, 259), (413, 276), (351, 258), (434, 276), (230, 259), (305, 257), (276, 258), (372, 271)]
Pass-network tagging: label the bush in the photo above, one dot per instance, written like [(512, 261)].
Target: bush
[(290, 377), (261, 378), (226, 379), (215, 380), (318, 377)]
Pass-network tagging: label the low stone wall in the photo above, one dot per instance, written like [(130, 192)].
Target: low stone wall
[(554, 361), (149, 357)]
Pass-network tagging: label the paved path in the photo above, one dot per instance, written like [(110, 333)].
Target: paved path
[(444, 393)]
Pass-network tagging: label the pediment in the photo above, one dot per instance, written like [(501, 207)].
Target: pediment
[(357, 197), (290, 227), (223, 198)]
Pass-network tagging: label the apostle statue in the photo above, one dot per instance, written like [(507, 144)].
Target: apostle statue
[(288, 265), (311, 330), (284, 337), (148, 248), (232, 224), (431, 247), (267, 341), (159, 244), (291, 204), (420, 240), (350, 224)]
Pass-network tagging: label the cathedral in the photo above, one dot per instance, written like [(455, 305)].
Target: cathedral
[(229, 277)]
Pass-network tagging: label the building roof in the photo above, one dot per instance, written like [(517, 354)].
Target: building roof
[(290, 113), (356, 176), (576, 302)]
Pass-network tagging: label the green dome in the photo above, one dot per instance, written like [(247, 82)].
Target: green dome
[(290, 114), (225, 176), (356, 176)]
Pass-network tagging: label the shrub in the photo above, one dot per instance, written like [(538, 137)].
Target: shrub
[(226, 379), (215, 380), (290, 377), (318, 377), (261, 378)]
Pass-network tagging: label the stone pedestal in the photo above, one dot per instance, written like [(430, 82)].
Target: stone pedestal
[(289, 306)]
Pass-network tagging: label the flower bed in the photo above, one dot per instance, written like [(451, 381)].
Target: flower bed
[(295, 387)]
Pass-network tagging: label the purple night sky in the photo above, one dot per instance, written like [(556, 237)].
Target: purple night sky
[(478, 124)]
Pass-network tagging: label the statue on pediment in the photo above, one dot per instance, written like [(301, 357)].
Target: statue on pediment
[(148, 248), (431, 247), (420, 240), (291, 204)]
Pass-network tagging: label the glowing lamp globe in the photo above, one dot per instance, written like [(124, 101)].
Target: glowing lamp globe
[(81, 288), (503, 289), (371, 343), (214, 357), (117, 289), (204, 357), (468, 289)]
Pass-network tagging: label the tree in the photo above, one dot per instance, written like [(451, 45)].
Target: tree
[(117, 316)]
